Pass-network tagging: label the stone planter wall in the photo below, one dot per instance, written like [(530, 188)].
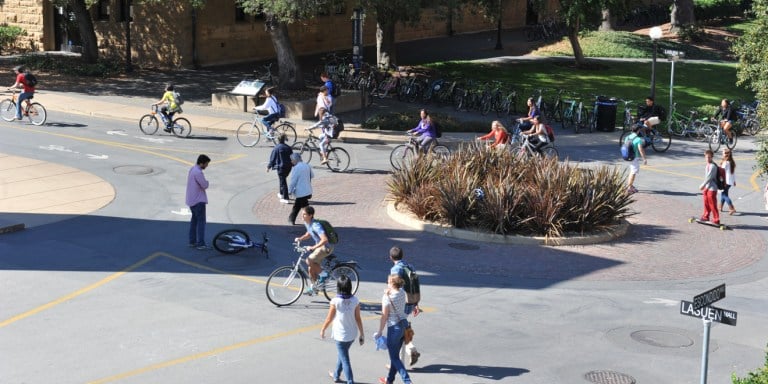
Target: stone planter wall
[(300, 110)]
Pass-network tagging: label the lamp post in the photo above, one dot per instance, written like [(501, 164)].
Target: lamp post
[(654, 34), (498, 28)]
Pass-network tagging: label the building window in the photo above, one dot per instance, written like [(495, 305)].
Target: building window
[(102, 10)]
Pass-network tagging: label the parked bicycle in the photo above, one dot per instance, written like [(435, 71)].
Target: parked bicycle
[(33, 111), (338, 158), (286, 284), (403, 154), (687, 126), (231, 241), (249, 133), (148, 124)]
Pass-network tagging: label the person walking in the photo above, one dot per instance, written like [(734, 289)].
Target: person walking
[(709, 189), (300, 186), (323, 102), (280, 161), (638, 145), (344, 312), (399, 268), (196, 200), (729, 165), (393, 317)]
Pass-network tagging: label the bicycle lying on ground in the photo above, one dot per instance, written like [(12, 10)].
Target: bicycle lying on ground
[(33, 111), (148, 124), (231, 241), (286, 284), (338, 158), (403, 154), (249, 134)]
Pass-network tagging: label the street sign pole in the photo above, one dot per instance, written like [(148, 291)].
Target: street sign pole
[(705, 350)]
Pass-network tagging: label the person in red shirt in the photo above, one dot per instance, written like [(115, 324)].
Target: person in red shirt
[(27, 93), (498, 133)]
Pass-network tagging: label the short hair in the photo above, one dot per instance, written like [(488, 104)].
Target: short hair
[(396, 253), (324, 74), (649, 98), (296, 157), (19, 68), (636, 127), (310, 210), (397, 281), (281, 137), (323, 88), (709, 152), (169, 87), (203, 159), (344, 285)]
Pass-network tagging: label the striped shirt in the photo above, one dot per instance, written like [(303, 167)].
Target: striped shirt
[(398, 312)]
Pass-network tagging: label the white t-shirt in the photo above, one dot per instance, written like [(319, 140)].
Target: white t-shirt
[(344, 324), (398, 312)]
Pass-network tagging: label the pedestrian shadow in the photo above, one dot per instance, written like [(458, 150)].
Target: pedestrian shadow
[(669, 193), (206, 137), (329, 203), (483, 371), (364, 171), (67, 125)]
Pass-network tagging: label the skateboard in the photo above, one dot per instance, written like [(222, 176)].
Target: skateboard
[(722, 227)]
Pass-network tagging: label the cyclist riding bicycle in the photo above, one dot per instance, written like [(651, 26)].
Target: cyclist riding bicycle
[(270, 110), (537, 136), (170, 107), (648, 115), (28, 90), (320, 250), (527, 121), (426, 131), (727, 116), (327, 124)]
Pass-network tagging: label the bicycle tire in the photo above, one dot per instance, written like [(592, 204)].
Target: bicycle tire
[(224, 239), (181, 127), (661, 140), (401, 156), (37, 114), (288, 130), (731, 144), (458, 103), (714, 141), (338, 159), (248, 134), (485, 104), (751, 126), (441, 151), (591, 121), (549, 151), (330, 290), (148, 124), (8, 110), (304, 150), (285, 285), (568, 120)]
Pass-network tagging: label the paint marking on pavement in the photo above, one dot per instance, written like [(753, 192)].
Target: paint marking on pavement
[(665, 302)]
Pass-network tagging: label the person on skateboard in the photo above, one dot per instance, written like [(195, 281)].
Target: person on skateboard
[(709, 189)]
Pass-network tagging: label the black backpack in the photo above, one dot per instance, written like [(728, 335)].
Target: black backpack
[(336, 90), (438, 129), (720, 177), (412, 287), (338, 128), (30, 79)]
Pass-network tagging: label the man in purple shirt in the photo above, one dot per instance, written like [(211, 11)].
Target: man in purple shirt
[(196, 200)]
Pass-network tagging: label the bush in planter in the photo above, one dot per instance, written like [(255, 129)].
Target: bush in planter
[(760, 376), (403, 121)]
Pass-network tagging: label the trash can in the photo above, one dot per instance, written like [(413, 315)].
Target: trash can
[(606, 114)]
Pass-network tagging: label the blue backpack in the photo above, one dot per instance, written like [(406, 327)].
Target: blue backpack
[(627, 149)]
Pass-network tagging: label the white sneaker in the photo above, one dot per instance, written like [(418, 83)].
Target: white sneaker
[(284, 201), (279, 196)]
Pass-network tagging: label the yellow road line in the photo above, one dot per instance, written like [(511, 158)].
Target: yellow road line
[(752, 179)]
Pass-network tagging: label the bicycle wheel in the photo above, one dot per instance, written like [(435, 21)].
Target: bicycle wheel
[(248, 134), (661, 140), (181, 127), (338, 160), (458, 102), (231, 241), (401, 156), (441, 151), (285, 285), (591, 121), (303, 149), (8, 110), (37, 114), (731, 143), (549, 151), (714, 141), (288, 130), (751, 126), (622, 137), (485, 104), (330, 290), (148, 124)]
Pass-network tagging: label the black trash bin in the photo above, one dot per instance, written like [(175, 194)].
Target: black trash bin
[(606, 114)]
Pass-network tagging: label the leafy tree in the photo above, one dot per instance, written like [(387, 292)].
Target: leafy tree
[(388, 13), (752, 49), (577, 14)]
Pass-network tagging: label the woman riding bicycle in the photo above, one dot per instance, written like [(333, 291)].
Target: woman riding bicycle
[(527, 121), (727, 116), (537, 136), (327, 124), (169, 107), (426, 130), (499, 135), (269, 109)]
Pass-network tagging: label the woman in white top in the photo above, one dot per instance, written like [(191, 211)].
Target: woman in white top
[(537, 135), (269, 109), (730, 180), (393, 316), (345, 315), (323, 101)]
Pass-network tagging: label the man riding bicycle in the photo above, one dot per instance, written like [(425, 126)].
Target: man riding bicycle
[(26, 94), (648, 115), (320, 250)]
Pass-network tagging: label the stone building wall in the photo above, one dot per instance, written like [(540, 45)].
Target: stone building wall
[(28, 15)]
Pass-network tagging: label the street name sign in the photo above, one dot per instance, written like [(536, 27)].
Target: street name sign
[(715, 314), (709, 297)]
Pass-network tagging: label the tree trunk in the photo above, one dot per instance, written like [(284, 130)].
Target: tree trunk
[(681, 14), (289, 70), (385, 44), (87, 34), (606, 24), (573, 37)]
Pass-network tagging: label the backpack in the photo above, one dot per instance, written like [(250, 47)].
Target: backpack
[(333, 236), (336, 90), (438, 129), (30, 79), (177, 98), (550, 133), (338, 128), (412, 287), (627, 149), (281, 109), (720, 177)]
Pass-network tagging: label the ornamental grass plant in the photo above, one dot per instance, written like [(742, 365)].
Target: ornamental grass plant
[(501, 192)]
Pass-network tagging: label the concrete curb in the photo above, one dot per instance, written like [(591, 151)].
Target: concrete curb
[(410, 220)]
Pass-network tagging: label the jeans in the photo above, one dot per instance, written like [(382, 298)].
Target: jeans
[(324, 141), (426, 143), (298, 204), (282, 178), (342, 364), (724, 198), (268, 120), (22, 96), (394, 343), (197, 224)]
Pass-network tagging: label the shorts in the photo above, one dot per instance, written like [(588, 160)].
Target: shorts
[(634, 166), (319, 254), (652, 121)]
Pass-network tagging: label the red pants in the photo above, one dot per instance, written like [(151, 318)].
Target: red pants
[(710, 206)]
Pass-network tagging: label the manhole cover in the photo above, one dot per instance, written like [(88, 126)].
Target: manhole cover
[(464, 246), (133, 170), (379, 147), (608, 377), (663, 339)]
